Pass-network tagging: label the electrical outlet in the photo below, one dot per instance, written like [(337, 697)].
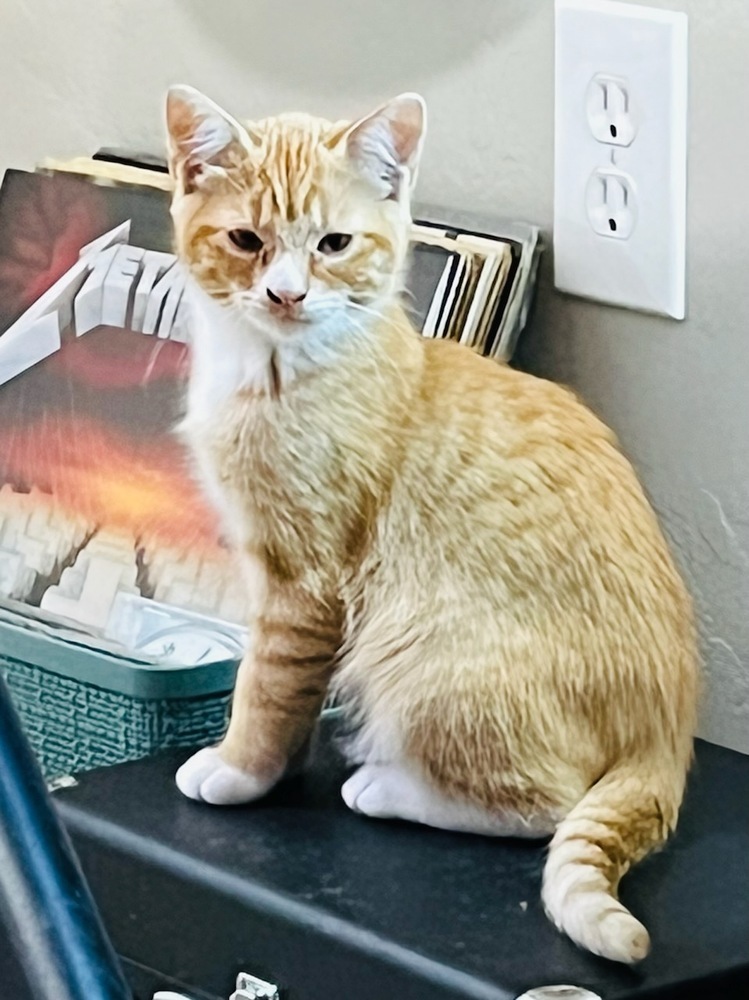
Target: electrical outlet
[(620, 154), (611, 203), (609, 109)]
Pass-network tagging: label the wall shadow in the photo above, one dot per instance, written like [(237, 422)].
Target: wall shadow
[(334, 45)]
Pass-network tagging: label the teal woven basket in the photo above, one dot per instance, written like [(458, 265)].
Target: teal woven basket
[(83, 709)]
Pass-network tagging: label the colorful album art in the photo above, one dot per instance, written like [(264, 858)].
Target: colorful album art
[(97, 501)]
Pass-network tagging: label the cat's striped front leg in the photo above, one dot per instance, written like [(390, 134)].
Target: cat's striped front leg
[(281, 685)]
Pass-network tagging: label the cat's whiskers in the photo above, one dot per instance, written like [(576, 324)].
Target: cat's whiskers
[(247, 298), (367, 310), (235, 182), (243, 303)]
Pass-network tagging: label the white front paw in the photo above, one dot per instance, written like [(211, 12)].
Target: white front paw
[(369, 791), (206, 777)]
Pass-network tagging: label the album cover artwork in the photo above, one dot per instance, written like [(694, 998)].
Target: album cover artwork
[(97, 499)]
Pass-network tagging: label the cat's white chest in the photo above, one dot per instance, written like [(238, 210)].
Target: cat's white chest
[(227, 357)]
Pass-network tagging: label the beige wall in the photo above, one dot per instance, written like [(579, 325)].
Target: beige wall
[(76, 74)]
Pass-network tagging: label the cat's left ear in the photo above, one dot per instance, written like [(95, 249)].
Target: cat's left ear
[(203, 139), (386, 145)]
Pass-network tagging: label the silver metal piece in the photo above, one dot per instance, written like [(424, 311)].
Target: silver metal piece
[(559, 993), (248, 988), (251, 988), (64, 781)]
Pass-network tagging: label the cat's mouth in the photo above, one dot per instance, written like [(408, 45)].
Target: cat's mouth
[(286, 322), (288, 314)]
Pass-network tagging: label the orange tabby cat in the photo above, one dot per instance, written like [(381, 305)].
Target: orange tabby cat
[(459, 548)]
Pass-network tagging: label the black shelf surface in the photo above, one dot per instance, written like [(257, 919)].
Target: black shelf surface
[(299, 891)]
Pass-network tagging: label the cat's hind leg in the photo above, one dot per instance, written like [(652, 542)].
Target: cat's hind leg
[(395, 791)]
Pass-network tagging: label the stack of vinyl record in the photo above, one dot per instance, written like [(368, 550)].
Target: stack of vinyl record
[(473, 283)]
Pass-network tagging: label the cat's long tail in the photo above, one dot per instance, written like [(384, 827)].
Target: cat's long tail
[(626, 814)]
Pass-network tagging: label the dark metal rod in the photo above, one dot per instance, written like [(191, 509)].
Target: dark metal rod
[(45, 903)]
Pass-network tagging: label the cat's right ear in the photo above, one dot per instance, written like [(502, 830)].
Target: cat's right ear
[(203, 139), (386, 145)]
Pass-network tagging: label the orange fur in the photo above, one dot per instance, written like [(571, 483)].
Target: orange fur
[(461, 548)]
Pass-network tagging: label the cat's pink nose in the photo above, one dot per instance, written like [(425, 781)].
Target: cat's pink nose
[(282, 297)]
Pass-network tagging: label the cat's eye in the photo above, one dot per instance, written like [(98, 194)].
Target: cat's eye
[(245, 239), (334, 242)]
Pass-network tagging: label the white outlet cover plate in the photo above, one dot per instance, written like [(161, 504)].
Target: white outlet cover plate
[(647, 49)]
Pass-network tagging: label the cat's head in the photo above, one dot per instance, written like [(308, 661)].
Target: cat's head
[(294, 220)]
